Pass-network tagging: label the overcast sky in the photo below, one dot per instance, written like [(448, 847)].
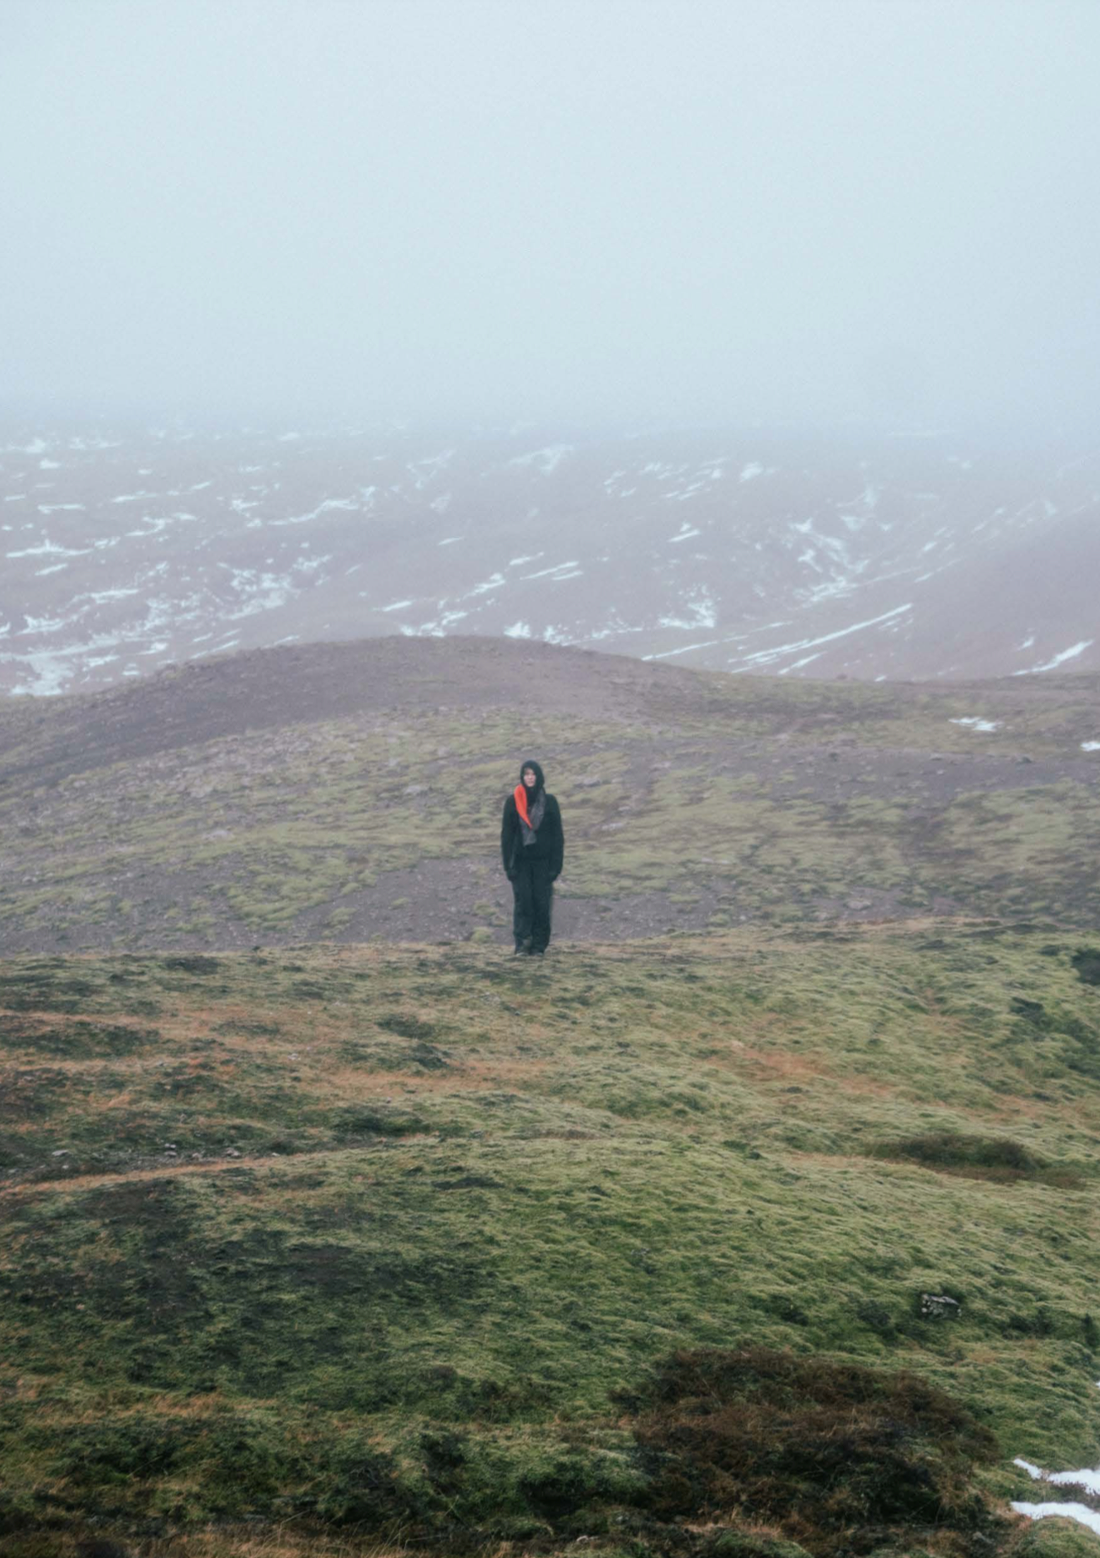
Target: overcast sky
[(679, 209)]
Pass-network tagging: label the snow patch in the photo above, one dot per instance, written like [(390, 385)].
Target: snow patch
[(546, 460), (702, 610), (976, 723), (518, 630)]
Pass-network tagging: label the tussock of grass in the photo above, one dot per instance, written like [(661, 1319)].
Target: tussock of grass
[(996, 1158), (1086, 960)]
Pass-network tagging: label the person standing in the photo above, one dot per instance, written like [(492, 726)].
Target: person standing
[(532, 847)]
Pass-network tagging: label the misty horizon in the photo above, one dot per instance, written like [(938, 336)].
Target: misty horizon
[(476, 212)]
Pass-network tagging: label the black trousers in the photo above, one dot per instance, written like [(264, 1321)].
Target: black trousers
[(533, 891)]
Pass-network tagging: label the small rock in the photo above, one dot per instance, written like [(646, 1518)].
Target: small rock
[(938, 1306), (60, 1153), (415, 789), (232, 1152)]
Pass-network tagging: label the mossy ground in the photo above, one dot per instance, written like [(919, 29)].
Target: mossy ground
[(695, 803), (383, 1240)]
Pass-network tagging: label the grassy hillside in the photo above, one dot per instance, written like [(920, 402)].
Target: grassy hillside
[(314, 1249), (758, 1222), (353, 792)]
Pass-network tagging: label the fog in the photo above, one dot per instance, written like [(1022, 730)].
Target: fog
[(608, 209)]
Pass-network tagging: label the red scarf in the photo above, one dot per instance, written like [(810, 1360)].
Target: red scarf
[(519, 794)]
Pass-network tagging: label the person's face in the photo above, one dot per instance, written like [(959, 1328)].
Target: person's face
[(529, 778)]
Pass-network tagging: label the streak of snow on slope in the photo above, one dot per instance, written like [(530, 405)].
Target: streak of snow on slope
[(1079, 1512), (322, 508), (766, 656), (1088, 1479), (1067, 654), (47, 548), (486, 586), (544, 573)]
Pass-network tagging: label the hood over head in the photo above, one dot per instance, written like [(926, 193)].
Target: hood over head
[(540, 782)]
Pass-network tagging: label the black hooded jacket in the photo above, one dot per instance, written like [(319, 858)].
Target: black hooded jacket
[(549, 842)]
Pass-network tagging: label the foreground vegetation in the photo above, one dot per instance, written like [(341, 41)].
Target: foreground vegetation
[(769, 1243)]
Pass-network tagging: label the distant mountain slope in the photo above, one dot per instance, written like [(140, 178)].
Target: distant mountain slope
[(352, 791), (856, 554)]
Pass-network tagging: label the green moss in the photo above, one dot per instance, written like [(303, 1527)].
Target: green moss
[(438, 1196)]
